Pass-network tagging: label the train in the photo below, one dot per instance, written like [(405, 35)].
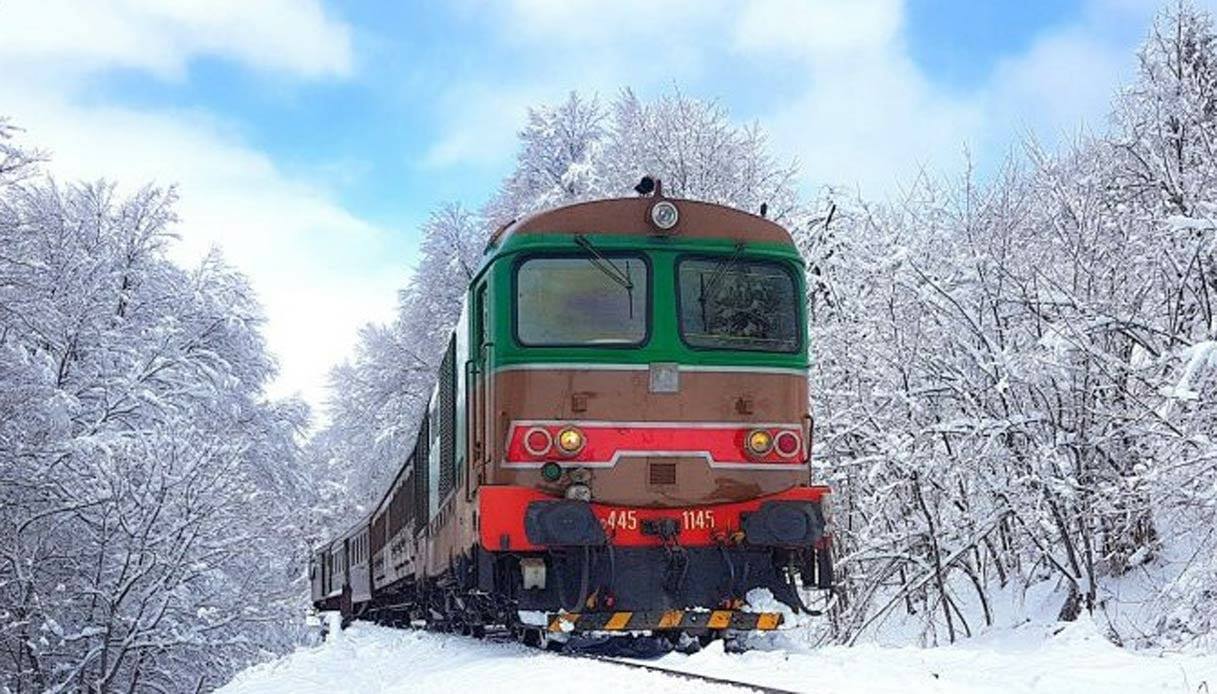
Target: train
[(618, 441)]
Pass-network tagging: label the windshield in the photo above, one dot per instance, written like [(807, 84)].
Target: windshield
[(729, 303), (574, 301)]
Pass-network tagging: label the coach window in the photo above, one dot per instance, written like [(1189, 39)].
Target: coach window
[(593, 300), (731, 303)]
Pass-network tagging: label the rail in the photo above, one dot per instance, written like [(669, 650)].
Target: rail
[(750, 686)]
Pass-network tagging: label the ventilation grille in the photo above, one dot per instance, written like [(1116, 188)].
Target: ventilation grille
[(422, 476), (446, 426), (663, 474)]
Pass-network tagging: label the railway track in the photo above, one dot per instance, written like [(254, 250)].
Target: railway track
[(748, 686), (504, 636), (499, 635)]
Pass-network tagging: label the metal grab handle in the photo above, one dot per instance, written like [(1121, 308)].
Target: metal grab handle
[(809, 427), (470, 429), (487, 401)]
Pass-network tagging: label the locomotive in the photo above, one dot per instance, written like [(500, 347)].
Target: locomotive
[(618, 440)]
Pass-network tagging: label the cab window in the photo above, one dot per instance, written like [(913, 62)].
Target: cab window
[(589, 300), (738, 304)]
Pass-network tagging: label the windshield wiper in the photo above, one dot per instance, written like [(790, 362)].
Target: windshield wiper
[(609, 268), (721, 269), (707, 289)]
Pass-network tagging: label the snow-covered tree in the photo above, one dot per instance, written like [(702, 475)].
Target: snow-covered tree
[(149, 518), (556, 164), (579, 150), (378, 395), (1015, 380), (698, 152)]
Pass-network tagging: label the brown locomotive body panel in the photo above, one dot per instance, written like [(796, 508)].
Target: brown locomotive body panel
[(630, 217), (623, 396)]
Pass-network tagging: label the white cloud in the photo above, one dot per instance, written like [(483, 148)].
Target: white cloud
[(823, 27), (865, 114), (872, 122), (593, 24), (162, 36), (319, 270), (856, 110), (584, 45), (1067, 77), (853, 105), (1064, 82), (869, 116), (480, 125)]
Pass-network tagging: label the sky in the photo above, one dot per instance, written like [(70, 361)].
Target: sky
[(309, 139)]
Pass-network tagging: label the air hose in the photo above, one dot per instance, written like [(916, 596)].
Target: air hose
[(583, 585), (730, 570), (612, 567), (798, 598)]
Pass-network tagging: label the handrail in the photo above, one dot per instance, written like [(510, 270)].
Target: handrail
[(488, 451), (470, 429)]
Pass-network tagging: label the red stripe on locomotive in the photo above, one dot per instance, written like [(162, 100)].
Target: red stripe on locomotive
[(605, 443)]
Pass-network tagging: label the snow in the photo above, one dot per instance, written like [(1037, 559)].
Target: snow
[(533, 617), (1199, 358), (763, 600), (1072, 658), (1184, 223), (378, 660), (1032, 658)]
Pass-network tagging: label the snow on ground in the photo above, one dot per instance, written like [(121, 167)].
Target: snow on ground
[(369, 659), (1063, 658), (1033, 658)]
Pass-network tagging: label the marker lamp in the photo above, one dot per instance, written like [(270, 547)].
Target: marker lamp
[(538, 441), (759, 441), (551, 471), (787, 444), (570, 441)]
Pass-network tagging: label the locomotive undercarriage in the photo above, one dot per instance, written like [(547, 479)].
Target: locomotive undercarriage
[(486, 590), (601, 578)]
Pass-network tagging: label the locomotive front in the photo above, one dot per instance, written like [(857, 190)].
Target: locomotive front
[(639, 427)]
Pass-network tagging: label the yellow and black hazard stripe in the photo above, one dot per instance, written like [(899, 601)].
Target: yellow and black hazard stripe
[(664, 620)]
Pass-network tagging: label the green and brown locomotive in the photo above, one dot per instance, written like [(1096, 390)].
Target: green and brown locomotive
[(618, 440)]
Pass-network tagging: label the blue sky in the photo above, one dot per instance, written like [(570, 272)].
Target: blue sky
[(311, 138)]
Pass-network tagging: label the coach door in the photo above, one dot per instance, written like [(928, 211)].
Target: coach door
[(482, 358)]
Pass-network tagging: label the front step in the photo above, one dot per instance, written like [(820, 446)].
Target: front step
[(675, 620)]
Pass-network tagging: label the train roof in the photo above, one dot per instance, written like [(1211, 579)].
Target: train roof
[(351, 530), (631, 217)]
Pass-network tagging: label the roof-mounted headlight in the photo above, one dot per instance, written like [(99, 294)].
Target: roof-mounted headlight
[(664, 215)]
